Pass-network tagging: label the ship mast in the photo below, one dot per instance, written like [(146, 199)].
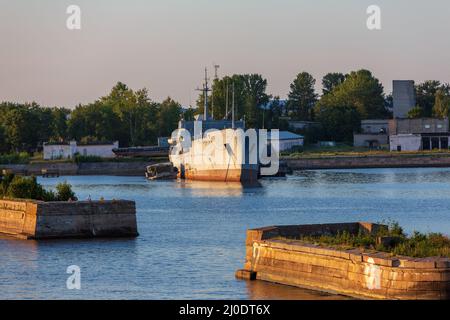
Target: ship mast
[(232, 109), (205, 90)]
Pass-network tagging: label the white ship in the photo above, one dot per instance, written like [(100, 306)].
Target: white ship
[(213, 155)]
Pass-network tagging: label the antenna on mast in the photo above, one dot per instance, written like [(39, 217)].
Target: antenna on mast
[(205, 91), (216, 67), (232, 110), (226, 100)]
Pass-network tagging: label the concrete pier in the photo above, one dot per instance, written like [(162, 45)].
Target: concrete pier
[(26, 219), (372, 275)]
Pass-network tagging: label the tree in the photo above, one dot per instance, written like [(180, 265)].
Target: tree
[(3, 147), (59, 125), (364, 92), (426, 95), (169, 114), (416, 112), (124, 104), (249, 96), (339, 121), (20, 128), (302, 97), (331, 81), (98, 121), (255, 98), (442, 104)]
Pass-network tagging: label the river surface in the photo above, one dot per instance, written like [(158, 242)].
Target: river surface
[(192, 234)]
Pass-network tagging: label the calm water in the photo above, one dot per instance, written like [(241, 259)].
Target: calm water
[(192, 234)]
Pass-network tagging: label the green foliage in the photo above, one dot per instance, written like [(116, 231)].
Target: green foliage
[(426, 95), (362, 91), (424, 245), (25, 126), (169, 115), (302, 97), (416, 112), (250, 96), (17, 187), (441, 106), (64, 192), (360, 96), (339, 122), (87, 159), (15, 158), (417, 245), (331, 81), (27, 188)]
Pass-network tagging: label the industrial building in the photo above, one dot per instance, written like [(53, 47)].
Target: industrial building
[(418, 134), (374, 134)]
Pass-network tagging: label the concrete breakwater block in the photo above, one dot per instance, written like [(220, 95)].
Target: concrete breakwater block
[(27, 219), (273, 255)]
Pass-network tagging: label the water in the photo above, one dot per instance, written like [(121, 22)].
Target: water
[(192, 234)]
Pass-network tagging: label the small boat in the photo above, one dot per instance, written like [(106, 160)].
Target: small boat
[(161, 171)]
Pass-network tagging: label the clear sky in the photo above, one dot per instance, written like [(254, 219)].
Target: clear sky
[(164, 45)]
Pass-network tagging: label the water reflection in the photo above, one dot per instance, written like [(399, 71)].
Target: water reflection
[(217, 189), (192, 234)]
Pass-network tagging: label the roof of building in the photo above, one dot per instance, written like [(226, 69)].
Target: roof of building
[(287, 135)]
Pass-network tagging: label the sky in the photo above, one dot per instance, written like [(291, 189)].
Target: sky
[(164, 45)]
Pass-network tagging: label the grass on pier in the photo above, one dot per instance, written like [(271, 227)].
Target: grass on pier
[(350, 151), (417, 245)]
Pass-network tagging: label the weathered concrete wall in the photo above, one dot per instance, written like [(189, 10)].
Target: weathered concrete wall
[(375, 161), (364, 139), (349, 272), (45, 220), (421, 125), (93, 168)]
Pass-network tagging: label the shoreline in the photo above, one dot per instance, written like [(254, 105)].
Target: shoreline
[(137, 168), (369, 161)]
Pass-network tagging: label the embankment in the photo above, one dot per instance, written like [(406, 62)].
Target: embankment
[(370, 161), (132, 168), (26, 219), (350, 272)]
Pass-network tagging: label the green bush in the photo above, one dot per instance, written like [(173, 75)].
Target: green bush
[(418, 245), (65, 192), (83, 159), (28, 188), (15, 158)]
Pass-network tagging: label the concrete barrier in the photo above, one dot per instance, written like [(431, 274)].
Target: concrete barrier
[(373, 275), (27, 219), (372, 161), (134, 168)]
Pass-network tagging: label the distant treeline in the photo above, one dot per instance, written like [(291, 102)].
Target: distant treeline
[(124, 115), (133, 119)]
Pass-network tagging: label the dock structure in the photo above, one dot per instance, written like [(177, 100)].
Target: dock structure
[(50, 173), (272, 257), (35, 220)]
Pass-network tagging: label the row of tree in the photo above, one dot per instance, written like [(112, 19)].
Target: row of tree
[(133, 119), (433, 100), (124, 115), (345, 100)]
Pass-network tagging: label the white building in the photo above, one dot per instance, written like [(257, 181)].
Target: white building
[(68, 150), (288, 140), (405, 142)]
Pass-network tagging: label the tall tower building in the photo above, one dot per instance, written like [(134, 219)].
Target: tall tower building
[(404, 97)]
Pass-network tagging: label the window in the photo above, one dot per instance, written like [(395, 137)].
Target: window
[(427, 126)]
